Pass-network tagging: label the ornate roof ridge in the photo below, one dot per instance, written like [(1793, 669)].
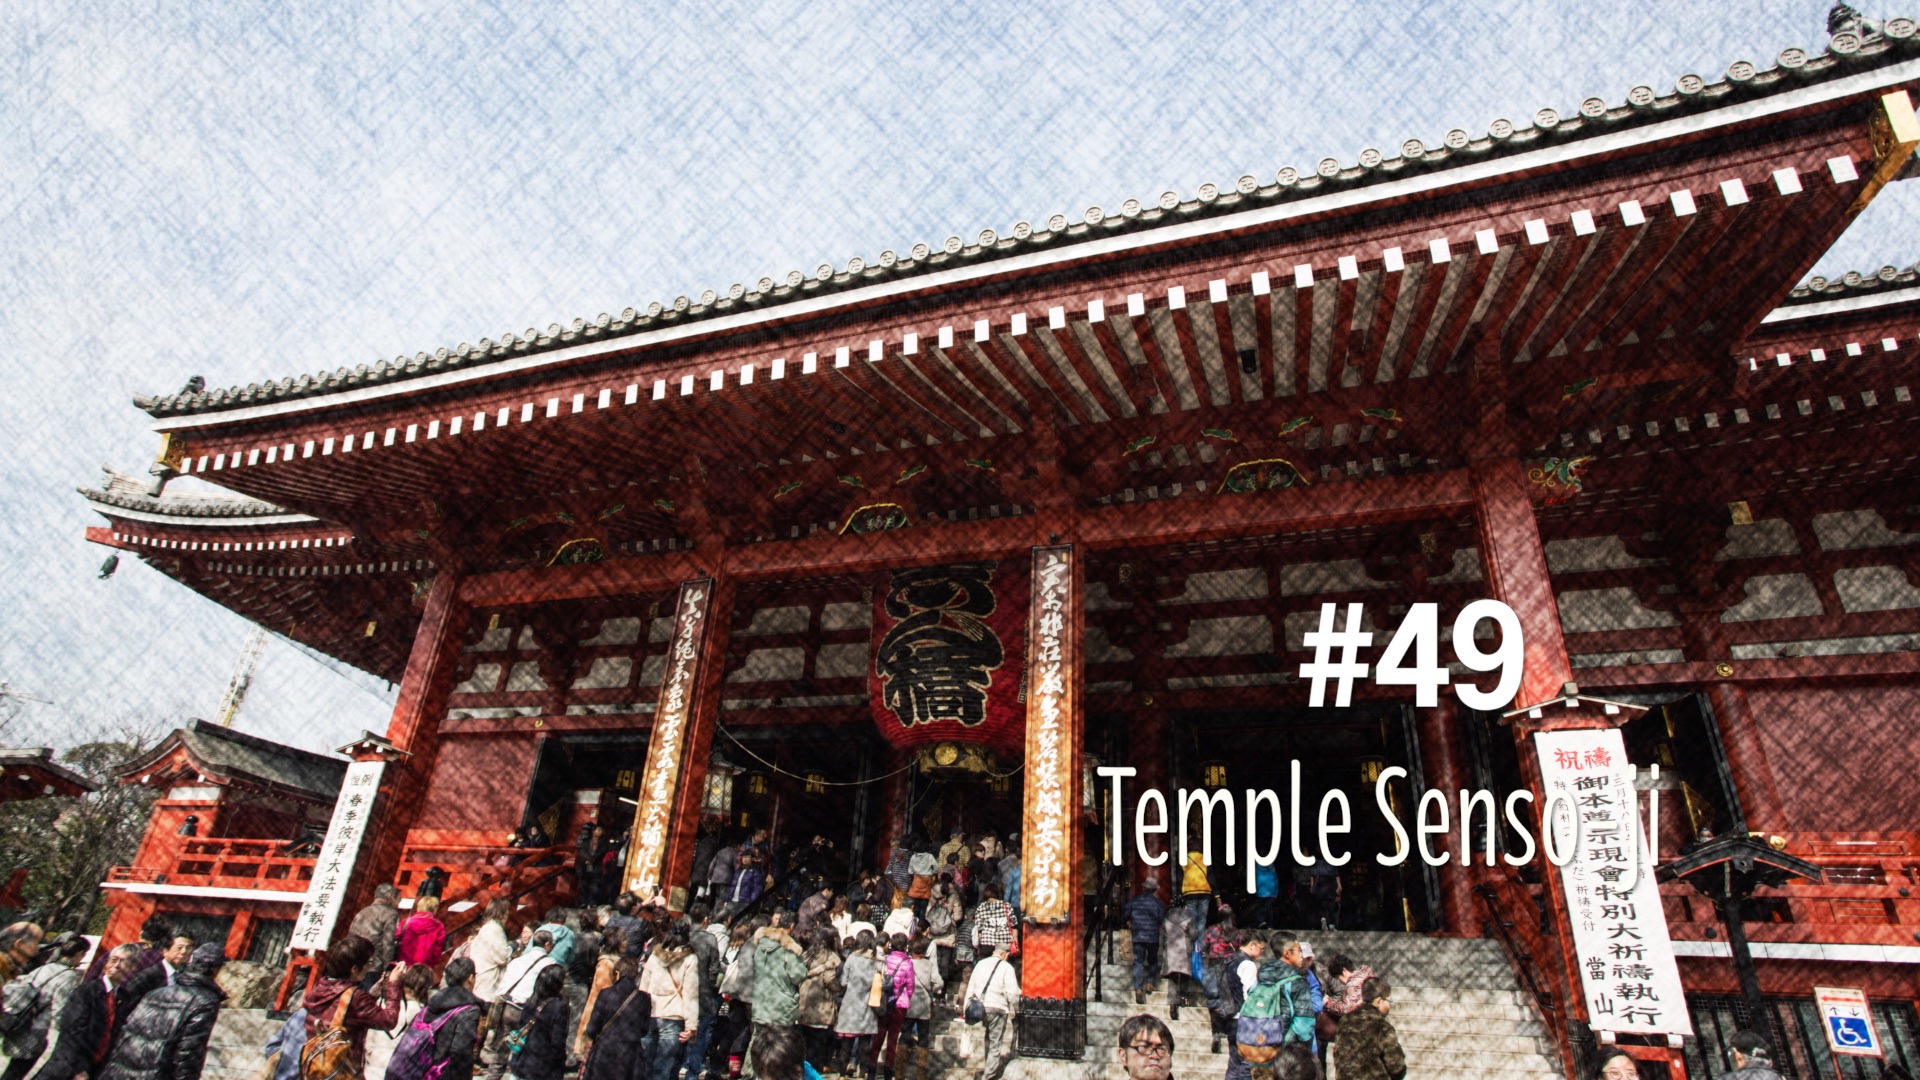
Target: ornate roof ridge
[(186, 505), (1817, 288), (1848, 51)]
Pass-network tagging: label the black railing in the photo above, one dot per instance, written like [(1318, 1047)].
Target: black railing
[(1523, 959), (1102, 914)]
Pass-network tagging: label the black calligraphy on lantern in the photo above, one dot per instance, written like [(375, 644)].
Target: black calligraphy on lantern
[(938, 660)]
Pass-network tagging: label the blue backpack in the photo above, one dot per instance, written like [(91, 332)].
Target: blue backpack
[(413, 1056)]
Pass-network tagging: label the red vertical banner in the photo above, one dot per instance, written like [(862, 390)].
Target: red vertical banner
[(1050, 815), (667, 746)]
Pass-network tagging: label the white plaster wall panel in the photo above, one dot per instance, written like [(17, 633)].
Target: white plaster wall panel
[(1213, 586), (525, 676), (1853, 529), (780, 620), (1099, 599), (484, 678), (1615, 659), (1298, 623), (1466, 568), (1101, 649), (1343, 575), (848, 616), (1775, 596), (662, 629), (493, 640), (624, 630), (607, 672), (527, 639), (1875, 588), (1849, 646), (1236, 635), (845, 661), (767, 665), (1585, 553), (652, 668), (1584, 611), (1773, 536)]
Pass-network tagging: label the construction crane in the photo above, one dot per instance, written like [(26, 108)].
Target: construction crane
[(242, 676)]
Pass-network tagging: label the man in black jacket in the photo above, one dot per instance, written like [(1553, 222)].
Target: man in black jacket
[(166, 1037), (454, 1042), (83, 1030), (1144, 914)]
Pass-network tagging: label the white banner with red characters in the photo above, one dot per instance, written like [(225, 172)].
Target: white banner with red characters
[(1594, 833)]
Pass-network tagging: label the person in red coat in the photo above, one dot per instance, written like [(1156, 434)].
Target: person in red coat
[(423, 936), (346, 965)]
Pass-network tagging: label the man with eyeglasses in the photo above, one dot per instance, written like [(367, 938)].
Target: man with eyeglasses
[(1146, 1048)]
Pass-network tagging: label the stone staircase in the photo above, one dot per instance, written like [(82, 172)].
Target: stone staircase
[(234, 1051), (1458, 1008)]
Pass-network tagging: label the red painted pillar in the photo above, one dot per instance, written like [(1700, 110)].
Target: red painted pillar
[(1443, 763), (1515, 563), (1152, 756), (414, 731), (1050, 833), (700, 713)]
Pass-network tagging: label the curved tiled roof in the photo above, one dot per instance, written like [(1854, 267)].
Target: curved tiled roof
[(1852, 283), (179, 506), (229, 754), (1848, 52)]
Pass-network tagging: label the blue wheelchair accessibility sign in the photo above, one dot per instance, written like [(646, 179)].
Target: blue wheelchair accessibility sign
[(1851, 1031), (1849, 1022)]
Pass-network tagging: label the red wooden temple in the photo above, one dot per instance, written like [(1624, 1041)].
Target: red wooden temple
[(654, 566)]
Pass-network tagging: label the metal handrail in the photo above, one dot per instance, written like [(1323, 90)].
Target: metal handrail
[(1523, 959), (1099, 922)]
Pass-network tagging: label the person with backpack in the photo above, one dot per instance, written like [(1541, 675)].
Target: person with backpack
[(440, 1043), (416, 983), (30, 1003), (166, 1037), (516, 991), (19, 944), (918, 1034), (339, 1013), (819, 999), (283, 1050), (615, 1037), (537, 1048), (896, 994), (1227, 980), (1277, 1008)]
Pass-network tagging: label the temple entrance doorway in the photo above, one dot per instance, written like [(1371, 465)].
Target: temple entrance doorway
[(1337, 749)]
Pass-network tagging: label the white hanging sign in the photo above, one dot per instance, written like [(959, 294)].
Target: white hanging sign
[(1620, 940), (333, 869)]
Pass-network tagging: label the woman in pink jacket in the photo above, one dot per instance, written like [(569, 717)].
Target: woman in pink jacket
[(896, 993), (423, 936)]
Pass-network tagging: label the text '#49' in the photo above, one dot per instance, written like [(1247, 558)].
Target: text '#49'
[(1412, 655)]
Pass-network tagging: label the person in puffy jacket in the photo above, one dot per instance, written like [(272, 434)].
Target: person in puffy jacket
[(896, 994), (166, 1037), (855, 1022), (1144, 914), (346, 965), (543, 1053), (779, 965), (616, 1032), (455, 1042), (819, 1000), (1176, 957), (423, 936)]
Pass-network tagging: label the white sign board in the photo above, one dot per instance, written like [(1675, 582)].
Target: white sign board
[(333, 870), (1620, 940), (1847, 1021)]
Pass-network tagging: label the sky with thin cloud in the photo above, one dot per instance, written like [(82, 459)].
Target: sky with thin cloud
[(250, 191)]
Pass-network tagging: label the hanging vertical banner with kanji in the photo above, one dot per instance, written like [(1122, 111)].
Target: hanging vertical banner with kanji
[(1620, 941), (333, 870), (653, 822), (949, 648), (1047, 891)]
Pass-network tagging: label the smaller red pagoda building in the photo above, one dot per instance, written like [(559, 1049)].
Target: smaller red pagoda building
[(33, 774), (230, 849)]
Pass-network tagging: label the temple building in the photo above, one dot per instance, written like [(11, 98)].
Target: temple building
[(921, 543)]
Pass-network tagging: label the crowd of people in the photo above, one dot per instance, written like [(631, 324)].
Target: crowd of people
[(774, 973)]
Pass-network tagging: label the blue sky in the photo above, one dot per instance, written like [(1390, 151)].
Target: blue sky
[(244, 192)]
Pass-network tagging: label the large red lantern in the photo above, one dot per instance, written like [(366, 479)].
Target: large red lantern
[(949, 651)]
